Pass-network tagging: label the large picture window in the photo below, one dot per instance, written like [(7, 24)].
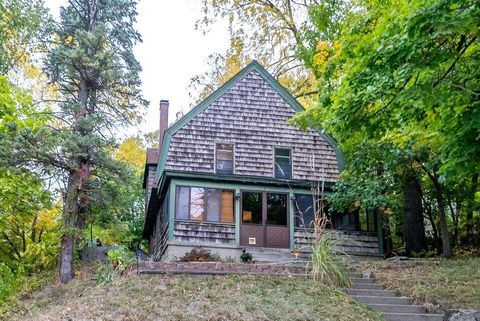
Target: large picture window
[(204, 204), (305, 210), (224, 159)]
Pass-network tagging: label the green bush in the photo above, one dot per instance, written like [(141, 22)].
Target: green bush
[(246, 257), (327, 267), (40, 257), (121, 259)]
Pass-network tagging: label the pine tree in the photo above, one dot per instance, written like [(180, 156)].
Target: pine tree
[(97, 76)]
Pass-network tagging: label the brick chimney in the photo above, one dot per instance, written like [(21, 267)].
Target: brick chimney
[(163, 122)]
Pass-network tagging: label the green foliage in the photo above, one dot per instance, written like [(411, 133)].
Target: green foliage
[(268, 31), (118, 215), (327, 267), (104, 274), (7, 281), (20, 23), (246, 257), (121, 259), (398, 88), (28, 222)]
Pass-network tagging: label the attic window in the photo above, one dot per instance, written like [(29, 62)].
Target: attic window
[(283, 163), (224, 159)]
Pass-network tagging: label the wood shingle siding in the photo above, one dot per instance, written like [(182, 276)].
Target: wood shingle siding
[(197, 232), (150, 183), (253, 116), (348, 242)]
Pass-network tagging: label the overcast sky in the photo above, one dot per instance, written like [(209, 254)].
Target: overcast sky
[(172, 52)]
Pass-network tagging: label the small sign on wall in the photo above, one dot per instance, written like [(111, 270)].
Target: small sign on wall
[(252, 241)]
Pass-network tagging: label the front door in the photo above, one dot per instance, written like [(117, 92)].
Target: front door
[(264, 219)]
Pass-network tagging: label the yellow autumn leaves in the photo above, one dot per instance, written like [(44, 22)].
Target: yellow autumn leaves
[(325, 50)]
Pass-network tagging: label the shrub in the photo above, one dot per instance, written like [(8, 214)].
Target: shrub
[(121, 259), (199, 255), (246, 257)]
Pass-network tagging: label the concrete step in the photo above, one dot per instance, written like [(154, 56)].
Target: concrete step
[(398, 308), (413, 317), (369, 299), (367, 286), (264, 254), (355, 275), (370, 292), (362, 281)]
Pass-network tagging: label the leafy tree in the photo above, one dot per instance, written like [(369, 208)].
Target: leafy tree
[(20, 24), (24, 218), (270, 31), (118, 214), (405, 72)]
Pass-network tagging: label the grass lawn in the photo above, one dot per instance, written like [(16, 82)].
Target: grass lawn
[(447, 284), (160, 297)]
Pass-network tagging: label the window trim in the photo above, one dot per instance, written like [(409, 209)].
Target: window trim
[(216, 143), (290, 149)]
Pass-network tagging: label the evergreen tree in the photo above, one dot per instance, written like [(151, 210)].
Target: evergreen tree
[(97, 76)]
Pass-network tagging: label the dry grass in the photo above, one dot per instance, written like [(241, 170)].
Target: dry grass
[(436, 283), (160, 297)]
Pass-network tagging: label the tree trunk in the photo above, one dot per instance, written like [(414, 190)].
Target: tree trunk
[(70, 213), (436, 238), (414, 227), (455, 218), (66, 258), (446, 249), (470, 206), (387, 237)]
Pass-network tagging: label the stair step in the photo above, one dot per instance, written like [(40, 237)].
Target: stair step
[(362, 281), (367, 286), (398, 308), (413, 317), (355, 275), (368, 299), (370, 292), (392, 306)]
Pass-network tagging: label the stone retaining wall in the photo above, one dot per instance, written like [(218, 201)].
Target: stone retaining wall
[(219, 268)]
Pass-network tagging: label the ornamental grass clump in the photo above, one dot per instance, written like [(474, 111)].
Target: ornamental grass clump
[(326, 263)]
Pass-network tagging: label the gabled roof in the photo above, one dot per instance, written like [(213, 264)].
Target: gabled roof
[(253, 66)]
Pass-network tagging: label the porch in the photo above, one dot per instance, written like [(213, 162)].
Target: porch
[(227, 217)]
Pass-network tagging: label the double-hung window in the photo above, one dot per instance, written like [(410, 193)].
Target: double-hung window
[(283, 163), (224, 159)]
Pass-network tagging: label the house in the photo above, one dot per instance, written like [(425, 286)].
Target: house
[(232, 173)]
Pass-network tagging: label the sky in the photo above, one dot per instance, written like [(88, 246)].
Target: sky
[(172, 52)]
